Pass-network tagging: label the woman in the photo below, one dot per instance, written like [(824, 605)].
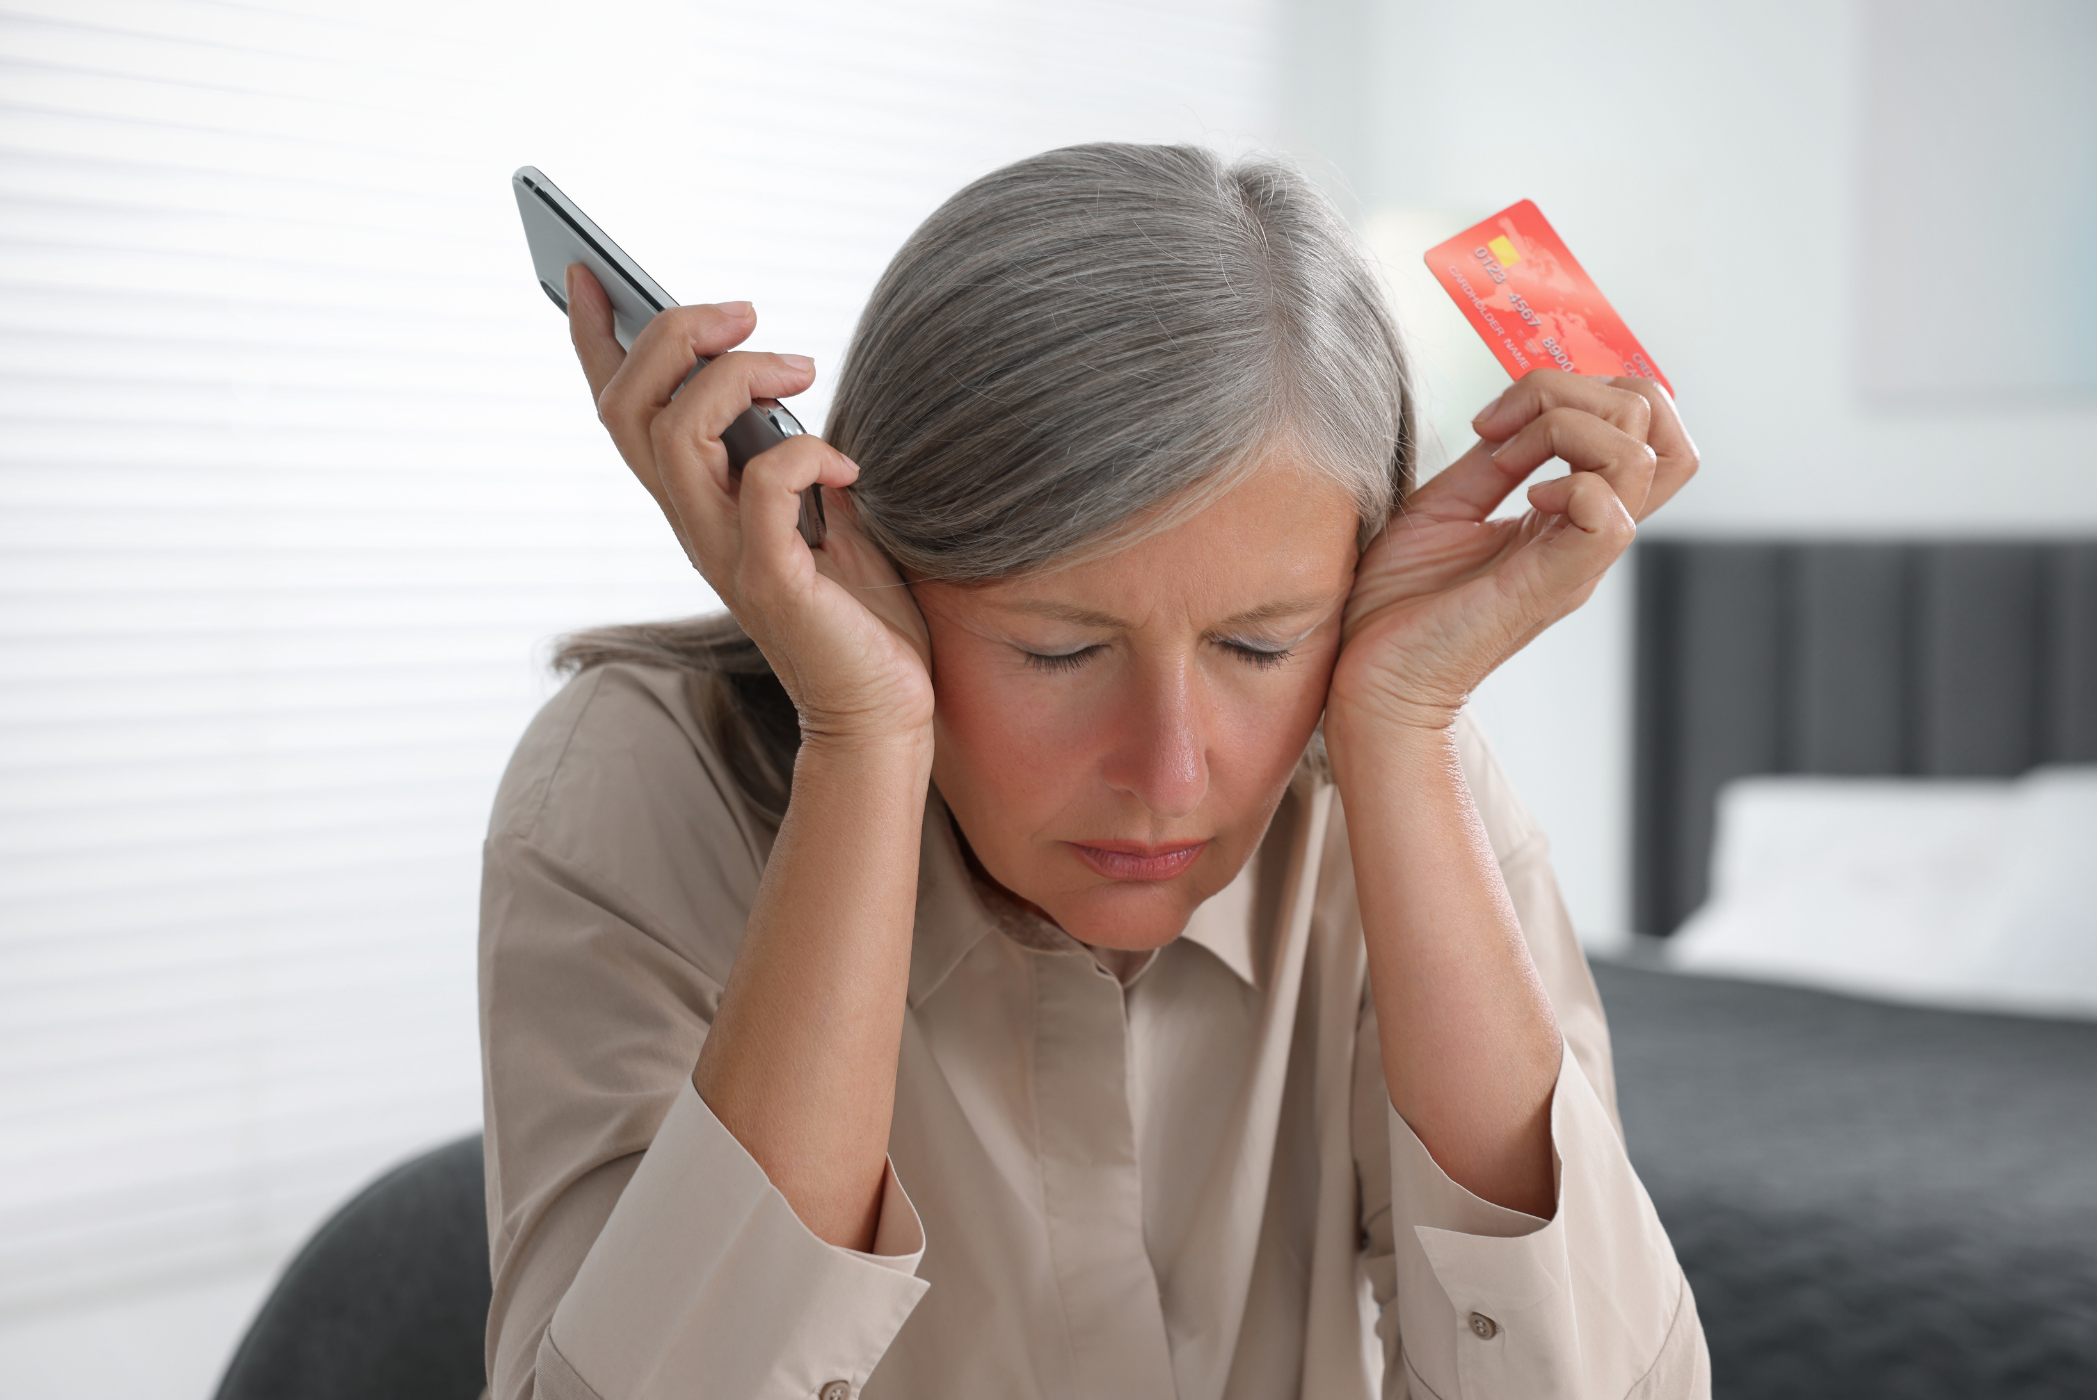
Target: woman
[(1063, 936)]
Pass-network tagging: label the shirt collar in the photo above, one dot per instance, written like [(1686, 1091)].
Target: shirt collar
[(950, 918), (1223, 925), (1238, 925)]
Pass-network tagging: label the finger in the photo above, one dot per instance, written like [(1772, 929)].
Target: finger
[(773, 554), (1588, 445), (591, 331), (1469, 489), (850, 559), (1545, 389), (694, 422), (675, 337), (1562, 564), (693, 479), (662, 358), (1676, 458), (591, 328)]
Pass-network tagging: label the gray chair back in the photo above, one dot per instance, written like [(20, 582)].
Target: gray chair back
[(390, 1298)]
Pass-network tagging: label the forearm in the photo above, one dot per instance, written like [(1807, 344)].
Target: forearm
[(801, 1061), (1469, 1044)]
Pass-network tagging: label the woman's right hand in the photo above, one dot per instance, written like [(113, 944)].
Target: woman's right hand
[(836, 622)]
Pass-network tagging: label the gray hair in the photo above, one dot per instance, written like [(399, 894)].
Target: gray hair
[(1072, 352)]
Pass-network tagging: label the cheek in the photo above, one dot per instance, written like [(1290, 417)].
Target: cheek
[(1273, 713), (1262, 730), (1011, 749)]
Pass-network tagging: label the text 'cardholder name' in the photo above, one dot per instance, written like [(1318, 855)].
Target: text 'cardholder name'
[(1523, 291)]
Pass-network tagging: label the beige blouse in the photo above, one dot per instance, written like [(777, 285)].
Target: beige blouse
[(1191, 1185)]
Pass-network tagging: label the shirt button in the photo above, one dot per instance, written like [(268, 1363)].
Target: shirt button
[(1483, 1327), (835, 1390)]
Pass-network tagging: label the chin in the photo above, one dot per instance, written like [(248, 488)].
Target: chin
[(1129, 915)]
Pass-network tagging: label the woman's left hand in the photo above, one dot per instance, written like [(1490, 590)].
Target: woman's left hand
[(1445, 595)]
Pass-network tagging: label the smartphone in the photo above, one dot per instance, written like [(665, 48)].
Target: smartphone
[(558, 233)]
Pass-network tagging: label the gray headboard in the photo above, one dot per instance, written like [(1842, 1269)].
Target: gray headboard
[(1943, 659)]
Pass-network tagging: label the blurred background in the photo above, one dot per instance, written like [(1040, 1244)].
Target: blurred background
[(298, 477)]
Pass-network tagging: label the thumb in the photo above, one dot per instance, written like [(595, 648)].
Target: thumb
[(591, 328)]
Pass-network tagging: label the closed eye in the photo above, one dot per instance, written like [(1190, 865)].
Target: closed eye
[(1261, 658), (1059, 661)]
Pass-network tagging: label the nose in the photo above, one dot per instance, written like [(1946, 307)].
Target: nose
[(1158, 744)]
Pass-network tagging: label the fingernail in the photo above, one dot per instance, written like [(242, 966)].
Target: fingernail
[(734, 308), (801, 362), (1492, 405)]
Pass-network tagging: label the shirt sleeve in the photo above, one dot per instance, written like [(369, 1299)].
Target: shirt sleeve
[(704, 1280), (636, 1248), (1490, 1302), (1479, 1301)]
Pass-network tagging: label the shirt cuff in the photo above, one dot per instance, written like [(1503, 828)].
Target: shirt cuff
[(1495, 1302), (704, 1280)]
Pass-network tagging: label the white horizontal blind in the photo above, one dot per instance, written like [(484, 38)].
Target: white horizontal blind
[(296, 479)]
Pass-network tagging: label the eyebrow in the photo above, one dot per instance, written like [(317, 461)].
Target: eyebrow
[(1089, 617)]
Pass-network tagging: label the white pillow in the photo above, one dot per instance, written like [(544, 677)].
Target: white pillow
[(1973, 893)]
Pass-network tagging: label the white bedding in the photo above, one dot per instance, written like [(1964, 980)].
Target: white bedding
[(1971, 893)]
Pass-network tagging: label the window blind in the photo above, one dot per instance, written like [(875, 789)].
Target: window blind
[(297, 477)]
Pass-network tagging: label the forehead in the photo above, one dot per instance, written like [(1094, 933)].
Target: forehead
[(1286, 534)]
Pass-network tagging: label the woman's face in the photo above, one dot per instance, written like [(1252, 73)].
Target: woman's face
[(1113, 737)]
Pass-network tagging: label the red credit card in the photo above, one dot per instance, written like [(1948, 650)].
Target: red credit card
[(1531, 301)]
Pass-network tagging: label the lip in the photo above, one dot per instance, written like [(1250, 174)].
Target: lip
[(1134, 860)]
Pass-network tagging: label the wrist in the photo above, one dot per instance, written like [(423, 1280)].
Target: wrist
[(907, 749), (1374, 691), (1388, 741), (1388, 721)]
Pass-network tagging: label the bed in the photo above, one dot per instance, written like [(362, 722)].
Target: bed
[(1870, 1198)]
